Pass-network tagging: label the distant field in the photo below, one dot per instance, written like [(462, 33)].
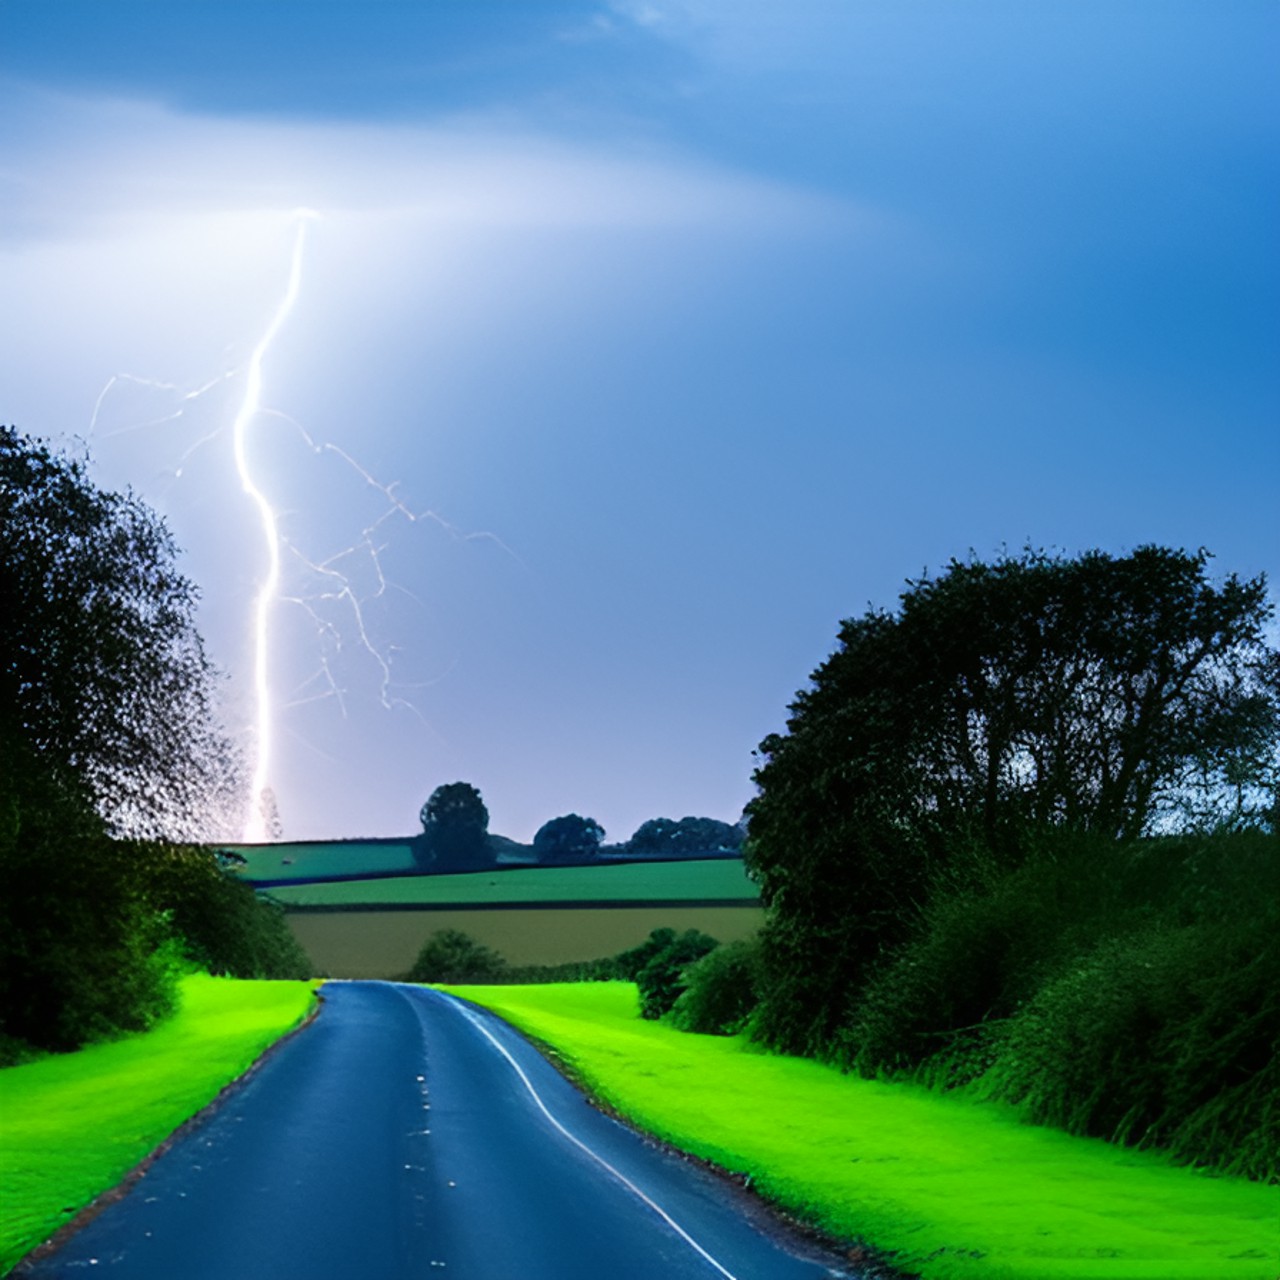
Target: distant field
[(720, 880), (323, 858), (384, 944)]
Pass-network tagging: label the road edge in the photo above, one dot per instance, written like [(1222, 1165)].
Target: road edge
[(771, 1217)]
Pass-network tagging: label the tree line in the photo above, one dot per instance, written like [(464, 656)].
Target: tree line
[(455, 835)]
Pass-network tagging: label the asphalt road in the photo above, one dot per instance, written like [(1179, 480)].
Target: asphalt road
[(406, 1134)]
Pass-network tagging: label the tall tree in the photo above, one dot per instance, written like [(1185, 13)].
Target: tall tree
[(102, 672), (455, 826), (1110, 694)]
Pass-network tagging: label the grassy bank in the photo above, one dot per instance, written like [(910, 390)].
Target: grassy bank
[(957, 1190), (73, 1124)]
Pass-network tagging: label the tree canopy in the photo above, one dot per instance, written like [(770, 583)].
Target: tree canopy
[(569, 838), (107, 740), (1112, 695), (667, 838), (104, 674), (455, 826)]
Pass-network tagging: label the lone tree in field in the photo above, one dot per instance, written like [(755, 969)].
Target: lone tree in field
[(1116, 695), (570, 838), (455, 829), (102, 673)]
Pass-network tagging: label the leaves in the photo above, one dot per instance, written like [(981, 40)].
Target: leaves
[(104, 675)]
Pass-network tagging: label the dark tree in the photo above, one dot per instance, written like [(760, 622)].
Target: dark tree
[(570, 838), (661, 982), (455, 826), (1103, 694), (653, 837), (449, 955), (666, 838), (102, 672)]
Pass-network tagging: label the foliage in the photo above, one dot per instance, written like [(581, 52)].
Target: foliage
[(84, 952), (661, 981), (630, 962), (987, 938), (1169, 1037), (222, 926), (75, 1123), (570, 838), (1129, 991), (103, 673), (1103, 694), (666, 838), (721, 990), (956, 1190), (1167, 1033), (455, 825), (449, 955)]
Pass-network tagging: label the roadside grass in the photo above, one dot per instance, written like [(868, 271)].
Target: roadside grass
[(948, 1187), (696, 880), (72, 1125)]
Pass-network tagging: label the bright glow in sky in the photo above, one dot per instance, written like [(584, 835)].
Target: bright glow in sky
[(635, 345)]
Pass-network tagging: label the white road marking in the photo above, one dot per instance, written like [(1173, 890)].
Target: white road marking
[(582, 1146)]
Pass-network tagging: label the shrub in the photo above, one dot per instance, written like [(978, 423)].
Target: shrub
[(1169, 1037), (223, 926), (987, 939), (661, 981), (721, 990), (629, 963), (449, 955), (84, 954)]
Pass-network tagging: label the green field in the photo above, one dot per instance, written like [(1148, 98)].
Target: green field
[(322, 858), (74, 1124), (953, 1189), (722, 879)]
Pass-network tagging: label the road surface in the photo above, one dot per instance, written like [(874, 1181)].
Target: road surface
[(405, 1134)]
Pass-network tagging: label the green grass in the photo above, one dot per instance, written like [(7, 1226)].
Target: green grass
[(723, 878), (954, 1189), (73, 1124)]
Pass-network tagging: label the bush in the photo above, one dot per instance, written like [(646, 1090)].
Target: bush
[(450, 955), (986, 941), (721, 990), (630, 962), (661, 981), (84, 952), (84, 955), (1169, 1037), (223, 926)]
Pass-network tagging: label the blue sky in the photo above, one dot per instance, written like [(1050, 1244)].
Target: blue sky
[(683, 328)]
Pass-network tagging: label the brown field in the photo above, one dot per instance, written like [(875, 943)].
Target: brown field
[(384, 944)]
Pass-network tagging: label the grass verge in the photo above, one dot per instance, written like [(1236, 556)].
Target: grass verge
[(74, 1124), (951, 1188)]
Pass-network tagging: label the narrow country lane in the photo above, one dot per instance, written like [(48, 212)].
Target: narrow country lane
[(406, 1134)]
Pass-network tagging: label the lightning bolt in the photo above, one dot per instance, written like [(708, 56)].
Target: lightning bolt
[(329, 583), (256, 819)]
